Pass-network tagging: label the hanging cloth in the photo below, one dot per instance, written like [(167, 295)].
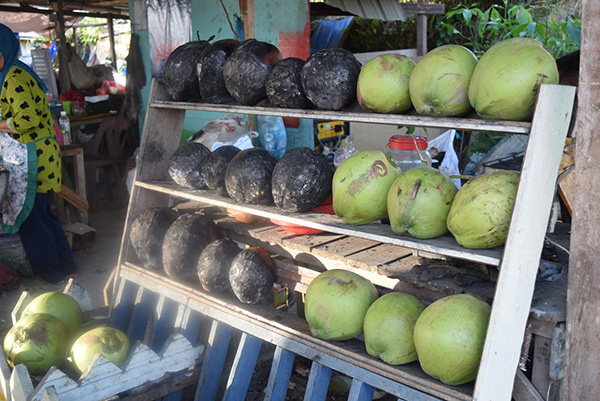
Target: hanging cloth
[(21, 162)]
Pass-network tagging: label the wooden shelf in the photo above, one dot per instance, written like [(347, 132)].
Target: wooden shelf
[(291, 332), (444, 245), (354, 113), (518, 261)]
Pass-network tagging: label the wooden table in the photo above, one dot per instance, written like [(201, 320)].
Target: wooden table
[(80, 200), (89, 119)]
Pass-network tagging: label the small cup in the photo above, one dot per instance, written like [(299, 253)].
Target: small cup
[(67, 107)]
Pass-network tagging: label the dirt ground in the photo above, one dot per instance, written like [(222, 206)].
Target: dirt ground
[(95, 261)]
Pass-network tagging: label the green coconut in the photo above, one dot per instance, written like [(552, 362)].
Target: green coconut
[(418, 202), (389, 325), (506, 81), (382, 84), (112, 343), (360, 186), (481, 211), (59, 305), (449, 337), (439, 84), (39, 341), (336, 302)]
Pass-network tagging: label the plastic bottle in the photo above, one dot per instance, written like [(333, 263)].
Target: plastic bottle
[(65, 127), (409, 151), (272, 135)]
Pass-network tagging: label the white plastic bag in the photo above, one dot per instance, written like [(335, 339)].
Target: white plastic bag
[(227, 130), (445, 143)]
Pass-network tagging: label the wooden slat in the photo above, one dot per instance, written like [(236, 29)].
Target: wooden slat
[(524, 390), (566, 185), (104, 379), (354, 113), (214, 360), (163, 321), (123, 306), (242, 368), (524, 244), (145, 304), (279, 378), (318, 382), (360, 391), (74, 199), (443, 245)]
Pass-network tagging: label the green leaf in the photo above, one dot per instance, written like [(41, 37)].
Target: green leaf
[(467, 15), (516, 32), (574, 33), (523, 16)]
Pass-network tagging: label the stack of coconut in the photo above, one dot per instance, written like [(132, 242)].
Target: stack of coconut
[(447, 81), (49, 333), (446, 337)]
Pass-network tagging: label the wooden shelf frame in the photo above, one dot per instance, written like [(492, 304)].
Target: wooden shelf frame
[(519, 259)]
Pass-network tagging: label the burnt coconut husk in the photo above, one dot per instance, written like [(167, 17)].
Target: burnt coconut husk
[(329, 78), (185, 165), (180, 72), (301, 180), (148, 233), (248, 177), (184, 242), (214, 264), (252, 275), (210, 71), (247, 69), (284, 85)]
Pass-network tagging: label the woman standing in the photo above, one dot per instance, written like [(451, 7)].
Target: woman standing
[(26, 117)]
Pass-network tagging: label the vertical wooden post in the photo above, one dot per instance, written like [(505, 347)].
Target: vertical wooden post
[(247, 10), (111, 38), (63, 57), (421, 33), (582, 365)]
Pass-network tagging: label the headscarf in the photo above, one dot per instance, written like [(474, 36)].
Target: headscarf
[(9, 47)]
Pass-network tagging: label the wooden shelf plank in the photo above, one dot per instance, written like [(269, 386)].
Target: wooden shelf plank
[(444, 245), (354, 113)]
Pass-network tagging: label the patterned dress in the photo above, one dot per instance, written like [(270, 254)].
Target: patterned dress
[(25, 106)]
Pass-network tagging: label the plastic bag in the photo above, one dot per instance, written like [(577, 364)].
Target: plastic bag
[(227, 130), (445, 143), (81, 76), (169, 26), (272, 135), (345, 151)]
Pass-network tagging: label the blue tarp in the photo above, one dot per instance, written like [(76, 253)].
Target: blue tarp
[(329, 34)]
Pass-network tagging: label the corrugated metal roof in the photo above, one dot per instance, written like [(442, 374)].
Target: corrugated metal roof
[(386, 10)]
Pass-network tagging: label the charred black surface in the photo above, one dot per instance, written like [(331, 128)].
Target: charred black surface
[(214, 264), (329, 78), (247, 69), (148, 233), (210, 71), (301, 180), (185, 166), (248, 177), (252, 275), (184, 242), (180, 73), (215, 165), (284, 85)]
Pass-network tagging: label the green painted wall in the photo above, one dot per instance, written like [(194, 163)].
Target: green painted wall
[(280, 22)]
